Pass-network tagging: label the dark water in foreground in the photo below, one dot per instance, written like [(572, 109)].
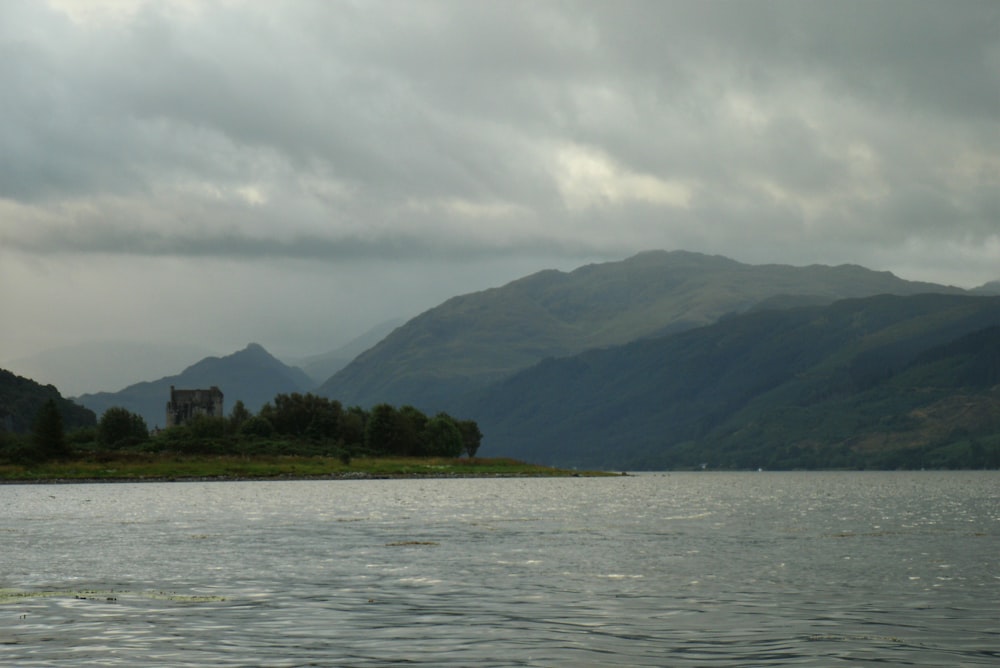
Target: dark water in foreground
[(701, 569)]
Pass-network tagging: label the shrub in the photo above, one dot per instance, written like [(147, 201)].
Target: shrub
[(258, 427), (119, 427)]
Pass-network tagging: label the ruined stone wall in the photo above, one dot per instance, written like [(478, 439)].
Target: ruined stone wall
[(186, 404)]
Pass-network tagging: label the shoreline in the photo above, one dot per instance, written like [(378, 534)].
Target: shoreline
[(353, 475), (226, 468)]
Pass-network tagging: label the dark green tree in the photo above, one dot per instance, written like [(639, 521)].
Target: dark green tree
[(304, 416), (327, 416), (120, 427), (207, 427), (47, 435), (442, 437), (257, 427), (471, 436), (238, 416), (9, 445), (411, 432), (352, 426), (81, 437), (202, 434), (382, 431)]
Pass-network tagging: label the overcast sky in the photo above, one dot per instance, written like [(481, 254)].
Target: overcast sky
[(294, 172)]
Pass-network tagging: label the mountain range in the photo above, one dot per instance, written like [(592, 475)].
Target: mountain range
[(251, 375), (470, 341), (104, 366), (855, 383), (669, 359)]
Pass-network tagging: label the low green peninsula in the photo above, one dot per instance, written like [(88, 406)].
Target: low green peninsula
[(294, 437)]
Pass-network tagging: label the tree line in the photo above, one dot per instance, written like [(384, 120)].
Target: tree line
[(291, 424)]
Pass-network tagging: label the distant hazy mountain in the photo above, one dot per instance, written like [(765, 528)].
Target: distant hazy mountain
[(475, 339), (106, 365), (991, 288), (880, 381), (252, 375), (320, 367), (21, 398)]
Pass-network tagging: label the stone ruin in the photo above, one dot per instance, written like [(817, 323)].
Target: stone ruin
[(186, 404)]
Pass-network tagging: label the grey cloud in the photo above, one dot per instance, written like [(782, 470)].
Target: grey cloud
[(341, 132), (923, 53), (105, 239), (442, 98)]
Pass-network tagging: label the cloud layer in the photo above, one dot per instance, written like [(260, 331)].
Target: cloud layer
[(338, 139)]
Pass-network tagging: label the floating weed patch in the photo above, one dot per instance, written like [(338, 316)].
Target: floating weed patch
[(12, 595), (181, 598), (105, 595)]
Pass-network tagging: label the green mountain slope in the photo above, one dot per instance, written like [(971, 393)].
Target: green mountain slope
[(475, 339), (861, 382), (251, 375), (21, 398)]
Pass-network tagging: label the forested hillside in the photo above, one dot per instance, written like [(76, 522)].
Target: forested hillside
[(22, 398), (885, 381)]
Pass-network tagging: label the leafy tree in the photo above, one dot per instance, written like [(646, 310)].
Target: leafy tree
[(119, 427), (443, 437), (82, 436), (206, 427), (202, 434), (326, 417), (238, 416), (471, 436), (47, 435), (411, 432), (10, 446), (257, 427), (304, 415), (382, 431), (408, 432), (352, 426)]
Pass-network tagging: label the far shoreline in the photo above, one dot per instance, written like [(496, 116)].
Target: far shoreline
[(314, 478), (174, 468)]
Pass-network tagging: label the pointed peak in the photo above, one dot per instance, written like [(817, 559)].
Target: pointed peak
[(254, 351)]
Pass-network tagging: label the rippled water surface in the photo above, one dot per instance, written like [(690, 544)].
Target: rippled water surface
[(701, 569)]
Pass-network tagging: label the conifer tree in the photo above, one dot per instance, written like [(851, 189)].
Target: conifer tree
[(47, 435)]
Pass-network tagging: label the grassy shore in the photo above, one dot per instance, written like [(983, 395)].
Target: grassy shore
[(161, 467)]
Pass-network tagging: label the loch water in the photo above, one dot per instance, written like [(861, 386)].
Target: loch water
[(664, 569)]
